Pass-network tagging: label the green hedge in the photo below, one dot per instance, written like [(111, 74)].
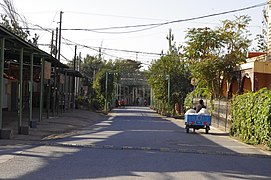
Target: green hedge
[(251, 117)]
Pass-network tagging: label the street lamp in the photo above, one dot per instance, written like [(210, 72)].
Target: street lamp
[(168, 91), (106, 78)]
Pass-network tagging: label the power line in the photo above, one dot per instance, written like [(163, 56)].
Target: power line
[(154, 25), (125, 32), (97, 49), (147, 26), (111, 49), (67, 60)]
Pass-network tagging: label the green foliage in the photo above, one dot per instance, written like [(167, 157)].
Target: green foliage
[(91, 65), (126, 66), (261, 41), (100, 84), (261, 38), (215, 53), (95, 70), (198, 92), (169, 68), (98, 103), (10, 20), (251, 117), (188, 102)]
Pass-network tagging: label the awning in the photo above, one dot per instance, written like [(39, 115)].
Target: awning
[(14, 44)]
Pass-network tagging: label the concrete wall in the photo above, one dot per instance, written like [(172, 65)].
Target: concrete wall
[(262, 80)]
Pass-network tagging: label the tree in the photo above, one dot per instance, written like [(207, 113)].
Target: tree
[(261, 42), (11, 19), (262, 38), (104, 84), (170, 67), (95, 71), (126, 66), (91, 65), (215, 53)]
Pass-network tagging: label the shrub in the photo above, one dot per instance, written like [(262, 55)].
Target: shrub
[(251, 117)]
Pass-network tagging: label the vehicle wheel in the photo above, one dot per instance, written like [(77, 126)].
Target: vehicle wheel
[(207, 130), (187, 129)]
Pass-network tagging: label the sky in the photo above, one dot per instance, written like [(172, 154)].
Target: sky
[(95, 14)]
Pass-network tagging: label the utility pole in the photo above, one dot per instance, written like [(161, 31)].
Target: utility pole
[(55, 75), (74, 60), (53, 50), (100, 51), (52, 44), (79, 69), (59, 96), (168, 92), (60, 27), (106, 79), (57, 50), (74, 66)]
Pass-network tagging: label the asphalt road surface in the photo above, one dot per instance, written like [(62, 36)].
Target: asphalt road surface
[(137, 143)]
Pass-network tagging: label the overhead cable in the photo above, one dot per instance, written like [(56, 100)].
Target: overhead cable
[(154, 25)]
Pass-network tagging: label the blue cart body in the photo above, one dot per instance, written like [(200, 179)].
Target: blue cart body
[(198, 121)]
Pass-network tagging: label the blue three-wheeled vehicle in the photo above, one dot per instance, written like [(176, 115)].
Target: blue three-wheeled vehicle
[(198, 121)]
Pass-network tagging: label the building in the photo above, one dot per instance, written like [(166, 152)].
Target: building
[(255, 73), (30, 79)]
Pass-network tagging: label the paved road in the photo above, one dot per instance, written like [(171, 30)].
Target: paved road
[(136, 143)]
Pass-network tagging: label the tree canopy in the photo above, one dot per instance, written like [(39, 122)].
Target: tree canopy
[(11, 19), (170, 68), (214, 54)]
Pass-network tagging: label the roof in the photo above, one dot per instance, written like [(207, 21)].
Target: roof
[(14, 43), (71, 72), (255, 54)]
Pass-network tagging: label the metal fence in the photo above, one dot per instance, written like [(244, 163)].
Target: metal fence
[(220, 113)]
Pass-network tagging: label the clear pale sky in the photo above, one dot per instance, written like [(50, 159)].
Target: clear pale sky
[(90, 14)]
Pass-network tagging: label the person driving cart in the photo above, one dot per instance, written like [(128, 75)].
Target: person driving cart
[(200, 106)]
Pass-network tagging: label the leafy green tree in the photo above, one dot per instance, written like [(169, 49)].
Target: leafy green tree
[(262, 38), (261, 42), (104, 87), (214, 54), (170, 67), (95, 71), (90, 66), (127, 65)]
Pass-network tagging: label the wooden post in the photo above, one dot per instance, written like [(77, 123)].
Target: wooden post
[(31, 88), (21, 91), (41, 88)]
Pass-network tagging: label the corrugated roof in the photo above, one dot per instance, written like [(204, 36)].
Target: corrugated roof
[(14, 43)]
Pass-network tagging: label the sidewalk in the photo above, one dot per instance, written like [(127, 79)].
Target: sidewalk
[(54, 127)]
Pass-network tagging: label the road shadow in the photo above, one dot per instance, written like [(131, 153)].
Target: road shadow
[(146, 144)]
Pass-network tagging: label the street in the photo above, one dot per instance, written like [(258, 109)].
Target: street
[(137, 143)]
